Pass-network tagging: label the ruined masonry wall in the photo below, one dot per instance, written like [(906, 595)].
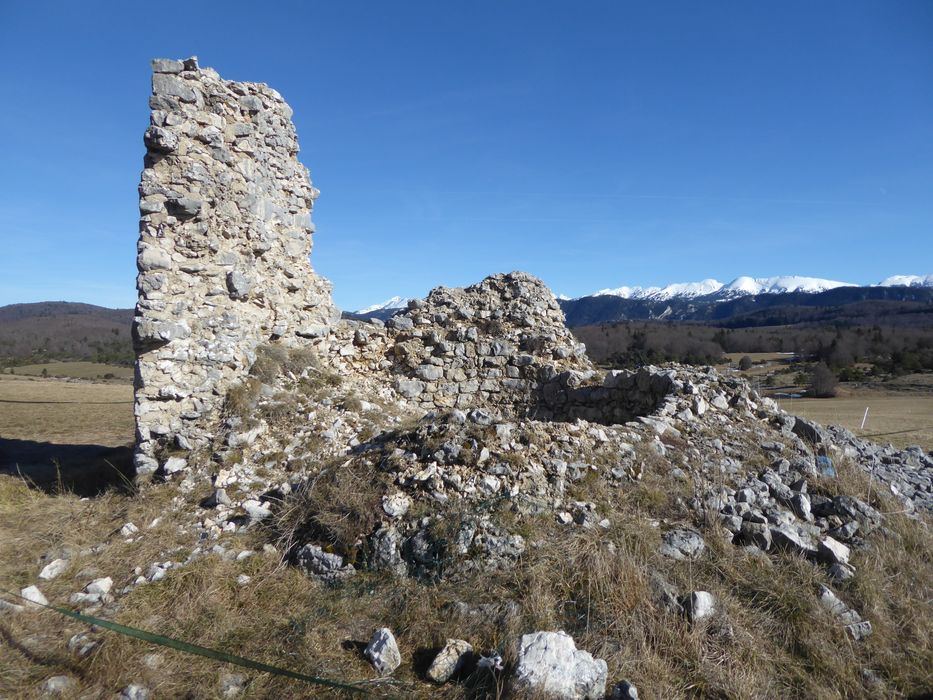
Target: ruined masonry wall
[(501, 344), (491, 344), (224, 239)]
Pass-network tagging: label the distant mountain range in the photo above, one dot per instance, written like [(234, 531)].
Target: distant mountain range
[(741, 286), (911, 306), (746, 301), (748, 286), (382, 311)]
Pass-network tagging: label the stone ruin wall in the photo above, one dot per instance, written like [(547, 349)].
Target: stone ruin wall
[(223, 258), (225, 235), (501, 344)]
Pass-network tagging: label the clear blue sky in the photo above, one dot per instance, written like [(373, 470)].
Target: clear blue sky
[(594, 144)]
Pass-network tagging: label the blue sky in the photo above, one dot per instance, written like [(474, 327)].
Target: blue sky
[(593, 144)]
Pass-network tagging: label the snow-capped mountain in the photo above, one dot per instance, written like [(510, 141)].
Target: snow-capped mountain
[(683, 289), (780, 285), (907, 281), (387, 305), (740, 286), (758, 301)]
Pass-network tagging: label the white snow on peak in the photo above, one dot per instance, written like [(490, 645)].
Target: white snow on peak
[(624, 292), (740, 286), (679, 289), (689, 289), (781, 285), (393, 303), (907, 281)]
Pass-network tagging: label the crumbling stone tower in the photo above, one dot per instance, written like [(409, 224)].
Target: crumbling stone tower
[(223, 254)]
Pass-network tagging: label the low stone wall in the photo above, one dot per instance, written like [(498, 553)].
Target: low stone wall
[(620, 397), (225, 235)]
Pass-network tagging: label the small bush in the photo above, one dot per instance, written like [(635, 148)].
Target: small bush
[(352, 402), (273, 361), (269, 362), (242, 399), (318, 382)]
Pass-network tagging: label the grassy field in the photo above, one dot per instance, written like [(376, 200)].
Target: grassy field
[(902, 420), (76, 413), (78, 370), (900, 410)]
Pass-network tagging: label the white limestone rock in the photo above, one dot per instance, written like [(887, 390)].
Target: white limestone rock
[(325, 566), (382, 652), (549, 665), (700, 605), (34, 596), (100, 586), (450, 660), (58, 685), (53, 569), (682, 544)]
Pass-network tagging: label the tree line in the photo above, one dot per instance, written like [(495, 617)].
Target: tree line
[(891, 350)]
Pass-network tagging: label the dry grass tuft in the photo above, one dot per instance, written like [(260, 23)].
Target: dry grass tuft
[(340, 506)]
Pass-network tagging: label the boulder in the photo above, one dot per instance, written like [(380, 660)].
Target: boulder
[(450, 661), (59, 685), (135, 691), (831, 551), (787, 538), (382, 652), (322, 565), (624, 690), (53, 569), (699, 605), (682, 544), (34, 596), (549, 665)]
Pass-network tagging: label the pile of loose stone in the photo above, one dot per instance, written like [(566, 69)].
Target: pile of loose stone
[(706, 429), (908, 473), (705, 426)]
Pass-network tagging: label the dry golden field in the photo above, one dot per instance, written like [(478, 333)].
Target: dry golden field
[(62, 412), (78, 370), (900, 410), (902, 420)]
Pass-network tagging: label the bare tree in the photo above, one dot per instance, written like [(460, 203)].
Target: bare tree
[(822, 382)]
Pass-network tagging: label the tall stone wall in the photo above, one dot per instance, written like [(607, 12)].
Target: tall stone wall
[(223, 253)]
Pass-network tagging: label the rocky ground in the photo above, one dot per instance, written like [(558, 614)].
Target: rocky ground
[(709, 545)]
